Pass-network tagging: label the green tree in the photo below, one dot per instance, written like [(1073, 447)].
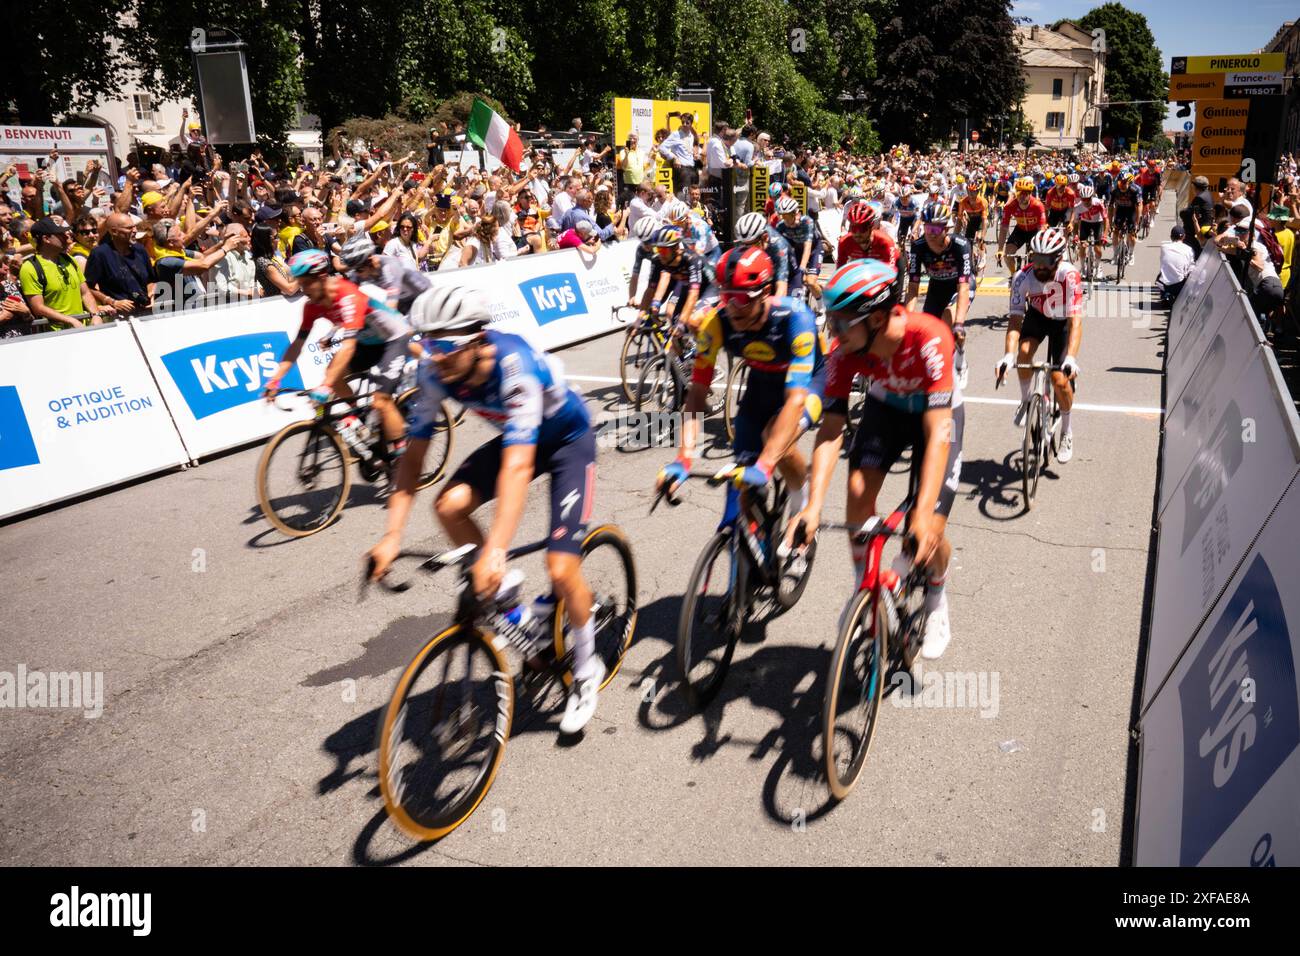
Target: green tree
[(1134, 71), (944, 62), (63, 59), (159, 43)]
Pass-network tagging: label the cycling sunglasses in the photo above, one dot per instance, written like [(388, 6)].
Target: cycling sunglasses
[(1043, 259), (739, 297), (935, 228)]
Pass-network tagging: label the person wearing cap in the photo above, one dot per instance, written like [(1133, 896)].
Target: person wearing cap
[(1176, 261), (179, 273), (1198, 214), (1261, 281), (58, 291), (1279, 217)]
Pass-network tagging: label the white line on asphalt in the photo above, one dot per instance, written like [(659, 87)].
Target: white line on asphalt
[(974, 399)]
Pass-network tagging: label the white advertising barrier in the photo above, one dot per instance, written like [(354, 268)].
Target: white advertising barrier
[(553, 299), (1219, 779), (1228, 341), (1189, 299), (1246, 432), (831, 221), (78, 411), (1218, 305), (212, 365)]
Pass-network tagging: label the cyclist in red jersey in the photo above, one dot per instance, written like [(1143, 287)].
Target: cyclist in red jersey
[(374, 337), (1030, 215), (865, 238), (912, 401)]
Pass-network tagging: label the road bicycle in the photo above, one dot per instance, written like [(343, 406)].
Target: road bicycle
[(444, 731), (740, 577), (640, 344), (1144, 224), (1123, 252), (665, 378), (1042, 417), (881, 633), (1089, 263), (303, 478)]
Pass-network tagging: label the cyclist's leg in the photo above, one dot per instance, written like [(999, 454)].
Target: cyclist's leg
[(877, 444), (387, 374), (572, 470), (473, 483), (937, 628)]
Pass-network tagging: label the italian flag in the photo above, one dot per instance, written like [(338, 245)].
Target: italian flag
[(495, 136)]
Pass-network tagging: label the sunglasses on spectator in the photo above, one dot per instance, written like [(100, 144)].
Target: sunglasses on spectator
[(87, 231)]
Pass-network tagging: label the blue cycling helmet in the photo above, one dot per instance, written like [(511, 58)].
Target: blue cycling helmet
[(861, 286), (309, 262), (774, 190)]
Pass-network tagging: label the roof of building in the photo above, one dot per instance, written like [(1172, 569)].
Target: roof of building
[(1040, 37), (1051, 60)]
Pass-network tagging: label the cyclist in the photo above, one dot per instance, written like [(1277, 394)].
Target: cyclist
[(1028, 212), (971, 213), (1061, 199), (697, 232), (1089, 218), (752, 230), (1148, 178), (946, 260), (800, 232), (912, 401), (374, 336), (1001, 194), (401, 284), (693, 273), (866, 237), (544, 428), (1046, 303), (644, 233), (777, 338), (1125, 210)]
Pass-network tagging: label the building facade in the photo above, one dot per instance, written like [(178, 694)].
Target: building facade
[(1065, 72), (1287, 40)]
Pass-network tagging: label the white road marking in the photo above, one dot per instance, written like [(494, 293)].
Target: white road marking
[(973, 399)]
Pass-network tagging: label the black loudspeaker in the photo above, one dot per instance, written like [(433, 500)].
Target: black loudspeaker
[(224, 100)]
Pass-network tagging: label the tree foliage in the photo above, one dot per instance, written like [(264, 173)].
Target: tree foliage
[(1134, 71), (945, 62)]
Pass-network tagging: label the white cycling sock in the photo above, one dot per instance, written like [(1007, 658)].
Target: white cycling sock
[(584, 648), (858, 552), (936, 593), (1024, 389), (1065, 423)]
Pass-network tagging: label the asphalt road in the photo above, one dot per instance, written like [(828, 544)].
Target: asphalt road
[(243, 678)]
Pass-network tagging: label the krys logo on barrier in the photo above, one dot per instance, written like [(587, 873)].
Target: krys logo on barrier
[(1240, 716), (225, 373), (556, 296), (16, 445)]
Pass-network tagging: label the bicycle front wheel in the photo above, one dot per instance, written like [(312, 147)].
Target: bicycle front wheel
[(737, 379), (444, 732), (302, 478), (854, 689), (610, 574), (1032, 449), (639, 347), (657, 390), (706, 631)]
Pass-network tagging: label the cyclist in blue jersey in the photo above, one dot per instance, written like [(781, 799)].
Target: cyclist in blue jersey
[(676, 262), (801, 233), (752, 230), (644, 233), (544, 426), (777, 338), (695, 230)]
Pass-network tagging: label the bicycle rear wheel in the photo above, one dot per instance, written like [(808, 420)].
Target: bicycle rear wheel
[(707, 630), (737, 379), (444, 432), (303, 478), (1032, 449), (444, 732), (610, 573), (657, 390), (854, 688)]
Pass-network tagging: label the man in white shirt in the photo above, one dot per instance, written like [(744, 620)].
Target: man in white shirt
[(640, 206), (679, 149), (718, 153), (1176, 261), (1234, 196), (563, 200)]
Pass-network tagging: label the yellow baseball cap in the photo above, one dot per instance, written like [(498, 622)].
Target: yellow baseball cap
[(149, 198), (380, 226)]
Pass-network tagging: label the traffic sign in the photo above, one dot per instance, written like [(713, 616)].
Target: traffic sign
[(1189, 126)]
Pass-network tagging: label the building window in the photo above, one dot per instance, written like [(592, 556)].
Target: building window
[(1056, 121), (1057, 86), (143, 108)]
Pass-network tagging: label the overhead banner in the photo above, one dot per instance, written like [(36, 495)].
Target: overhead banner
[(212, 365), (42, 139), (78, 411), (1219, 772), (1229, 62), (644, 117)]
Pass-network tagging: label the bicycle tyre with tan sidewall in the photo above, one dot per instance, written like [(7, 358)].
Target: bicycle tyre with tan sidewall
[(614, 647), (263, 465)]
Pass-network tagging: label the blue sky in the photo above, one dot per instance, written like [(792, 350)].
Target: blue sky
[(1186, 27)]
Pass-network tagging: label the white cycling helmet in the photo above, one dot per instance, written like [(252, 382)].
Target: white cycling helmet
[(786, 205), (447, 311), (645, 228), (1086, 191), (677, 211), (751, 227), (1048, 242), (357, 251)]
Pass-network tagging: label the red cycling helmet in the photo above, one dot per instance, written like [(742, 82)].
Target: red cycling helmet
[(747, 270), (861, 215)]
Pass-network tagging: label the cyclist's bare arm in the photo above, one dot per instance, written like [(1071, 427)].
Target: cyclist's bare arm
[(287, 361), (913, 293), (337, 372), (1014, 322), (826, 452), (785, 428), (938, 428)]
